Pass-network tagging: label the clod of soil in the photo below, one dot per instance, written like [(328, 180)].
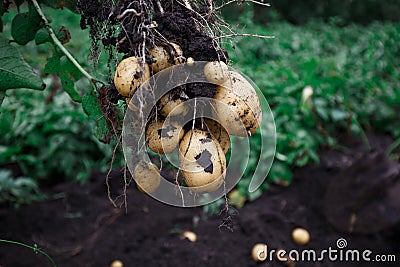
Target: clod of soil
[(365, 198)]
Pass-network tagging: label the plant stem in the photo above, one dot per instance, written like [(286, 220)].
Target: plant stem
[(59, 44), (392, 147), (35, 249), (364, 136)]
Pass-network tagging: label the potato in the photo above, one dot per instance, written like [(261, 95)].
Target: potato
[(133, 117), (147, 177), (301, 236), (219, 133), (163, 137), (171, 104), (259, 252), (162, 56), (216, 72), (191, 236), (202, 161), (117, 263), (238, 106), (190, 61), (130, 74)]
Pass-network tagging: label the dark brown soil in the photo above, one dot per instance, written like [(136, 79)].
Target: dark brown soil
[(81, 228)]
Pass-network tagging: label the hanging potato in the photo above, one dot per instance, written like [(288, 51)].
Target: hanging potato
[(166, 56), (219, 133), (190, 61), (130, 74), (216, 72), (163, 137), (202, 161), (147, 177), (171, 104), (238, 106)]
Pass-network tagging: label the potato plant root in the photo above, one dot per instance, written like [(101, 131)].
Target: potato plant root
[(81, 228)]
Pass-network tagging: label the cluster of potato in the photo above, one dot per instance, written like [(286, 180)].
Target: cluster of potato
[(236, 111)]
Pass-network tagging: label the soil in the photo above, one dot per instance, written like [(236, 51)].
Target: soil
[(79, 227)]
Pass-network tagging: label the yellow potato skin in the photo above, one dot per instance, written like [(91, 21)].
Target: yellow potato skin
[(202, 161), (301, 236), (162, 137), (219, 133), (170, 106), (237, 106), (162, 57), (216, 72), (256, 250), (190, 61), (147, 177), (130, 74), (117, 263)]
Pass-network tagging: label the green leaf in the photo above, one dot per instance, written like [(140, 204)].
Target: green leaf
[(7, 153), (2, 96), (7, 120), (68, 73), (254, 195), (280, 171), (43, 36), (92, 108), (25, 25), (14, 71), (338, 115)]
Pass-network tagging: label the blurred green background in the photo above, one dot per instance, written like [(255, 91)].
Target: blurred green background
[(348, 52)]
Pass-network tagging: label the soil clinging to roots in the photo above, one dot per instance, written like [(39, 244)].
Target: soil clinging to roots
[(134, 27)]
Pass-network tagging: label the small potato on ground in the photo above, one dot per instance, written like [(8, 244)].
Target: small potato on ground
[(117, 263), (259, 252), (189, 235), (301, 236)]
